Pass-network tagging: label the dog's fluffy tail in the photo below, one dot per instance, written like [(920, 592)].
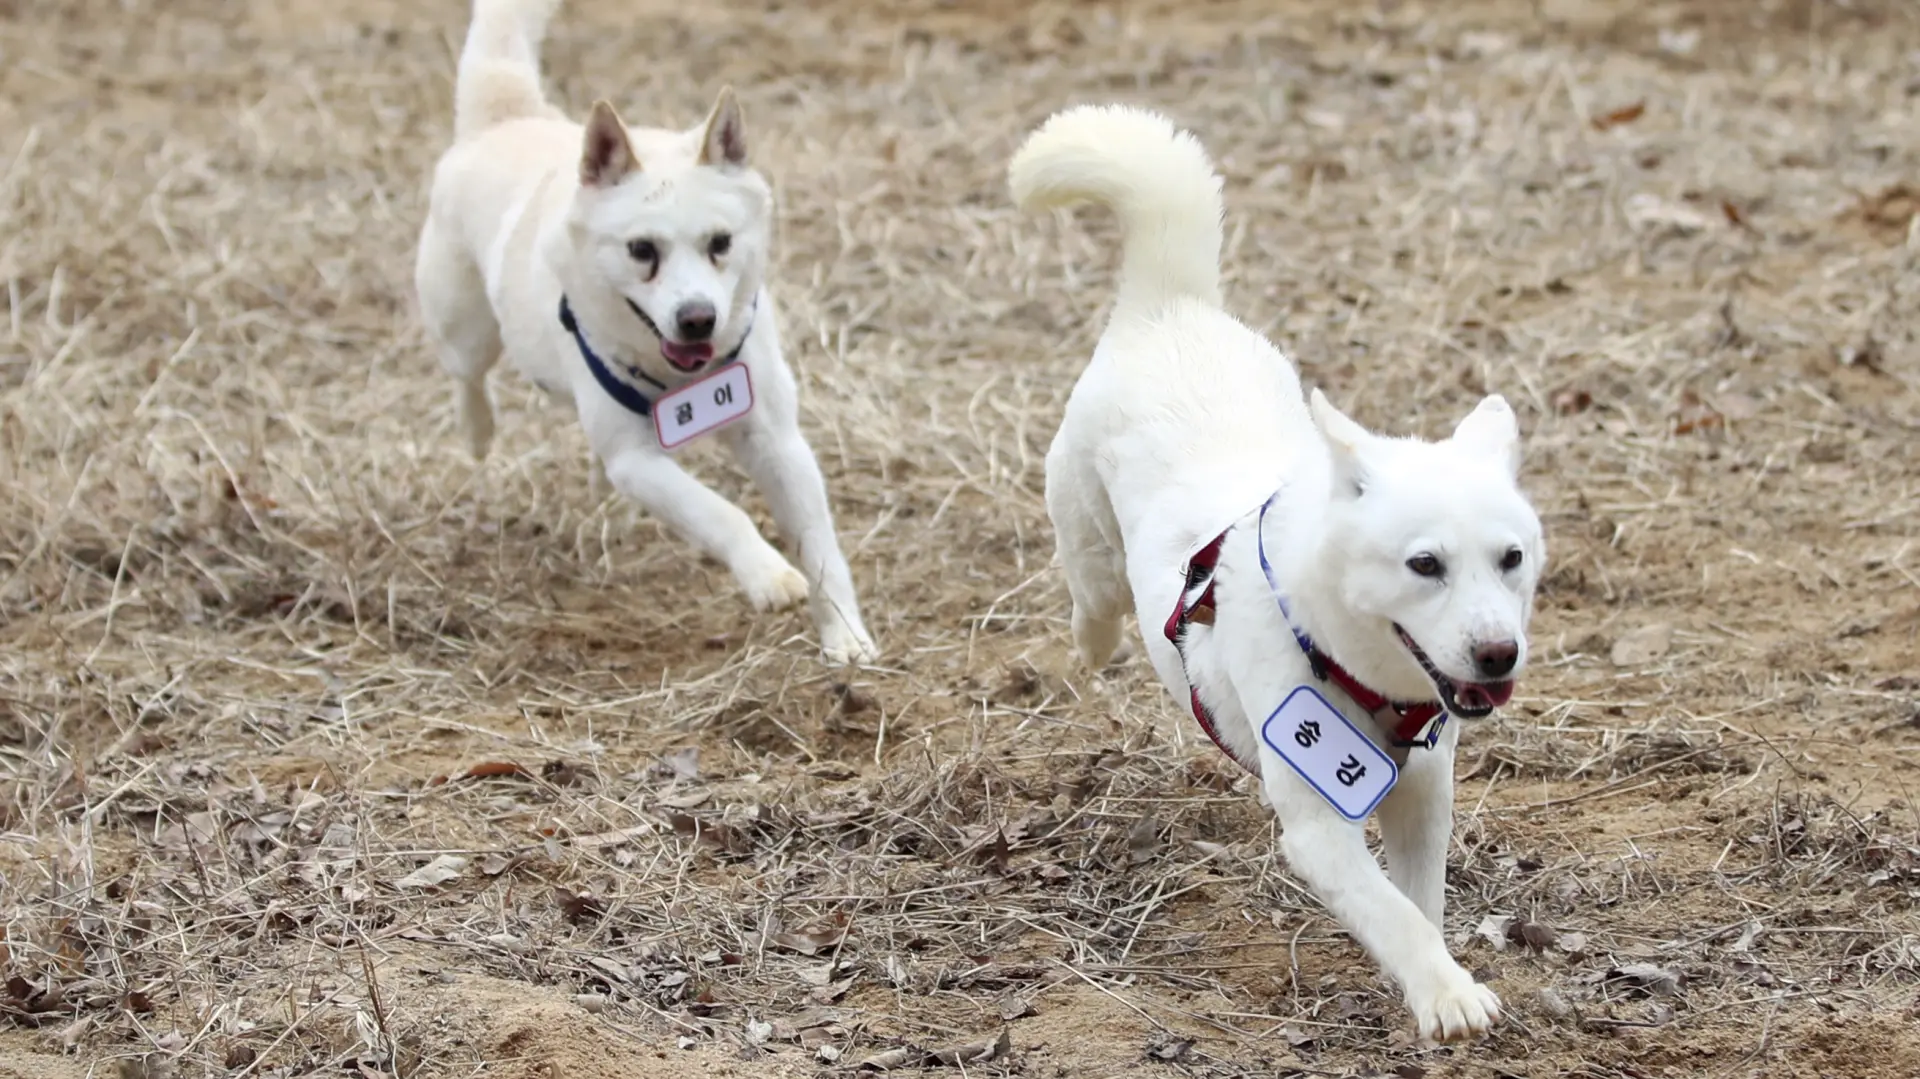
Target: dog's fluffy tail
[(499, 73), (1157, 178)]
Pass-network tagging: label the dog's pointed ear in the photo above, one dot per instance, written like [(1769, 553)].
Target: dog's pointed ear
[(1346, 441), (606, 157), (1492, 428), (725, 139)]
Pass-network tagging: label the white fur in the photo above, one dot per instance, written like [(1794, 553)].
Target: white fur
[(527, 205), (1183, 424)]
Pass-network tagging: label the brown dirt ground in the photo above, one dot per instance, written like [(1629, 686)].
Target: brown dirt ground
[(255, 602)]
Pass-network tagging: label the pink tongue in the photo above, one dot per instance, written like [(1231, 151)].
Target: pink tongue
[(1484, 694), (686, 357)]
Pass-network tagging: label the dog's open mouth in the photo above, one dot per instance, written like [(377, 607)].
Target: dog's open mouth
[(1469, 700), (687, 357)]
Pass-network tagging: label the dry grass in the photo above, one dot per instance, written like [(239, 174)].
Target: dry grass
[(255, 603)]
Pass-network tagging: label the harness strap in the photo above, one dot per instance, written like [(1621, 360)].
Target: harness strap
[(1415, 725), (1195, 604)]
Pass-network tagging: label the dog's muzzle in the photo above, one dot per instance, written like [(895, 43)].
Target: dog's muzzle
[(1468, 700)]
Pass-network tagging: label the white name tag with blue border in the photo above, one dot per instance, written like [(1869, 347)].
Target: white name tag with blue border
[(707, 405), (1330, 753)]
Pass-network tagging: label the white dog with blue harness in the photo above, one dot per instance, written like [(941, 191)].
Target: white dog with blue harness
[(623, 270)]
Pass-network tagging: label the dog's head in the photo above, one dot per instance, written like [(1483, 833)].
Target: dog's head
[(682, 236), (1437, 551)]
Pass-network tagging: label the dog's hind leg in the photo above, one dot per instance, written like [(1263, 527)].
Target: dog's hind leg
[(460, 321), (1096, 570)]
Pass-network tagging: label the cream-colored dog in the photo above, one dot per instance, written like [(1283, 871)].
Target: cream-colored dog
[(1321, 597), (622, 270)]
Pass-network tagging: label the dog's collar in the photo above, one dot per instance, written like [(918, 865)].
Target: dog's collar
[(624, 393), (1414, 724)]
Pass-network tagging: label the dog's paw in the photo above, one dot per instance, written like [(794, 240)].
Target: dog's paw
[(841, 644), (1455, 1009), (773, 586)]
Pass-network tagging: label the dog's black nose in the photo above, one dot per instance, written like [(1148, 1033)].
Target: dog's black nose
[(1495, 659), (695, 320)]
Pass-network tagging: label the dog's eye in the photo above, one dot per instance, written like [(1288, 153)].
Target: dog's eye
[(1426, 565), (1511, 560), (643, 251), (719, 245)]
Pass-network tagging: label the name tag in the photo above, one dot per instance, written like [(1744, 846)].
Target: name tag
[(699, 407), (1330, 753)]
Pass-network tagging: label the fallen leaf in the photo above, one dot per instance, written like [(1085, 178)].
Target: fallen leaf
[(1014, 1008), (491, 769), (579, 906), (1533, 934), (758, 1031), (434, 873), (813, 942), (995, 855), (852, 702), (831, 992), (1553, 1003), (1624, 115), (1171, 1050), (240, 1056), (683, 763), (888, 1060), (496, 863), (1639, 647), (1493, 930), (1143, 841), (814, 1037), (612, 968), (1645, 976)]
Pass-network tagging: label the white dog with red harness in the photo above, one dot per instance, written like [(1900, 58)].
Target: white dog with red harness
[(1321, 597)]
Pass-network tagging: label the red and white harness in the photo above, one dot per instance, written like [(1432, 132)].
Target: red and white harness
[(1414, 725)]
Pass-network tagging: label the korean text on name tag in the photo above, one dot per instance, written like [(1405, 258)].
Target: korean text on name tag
[(1330, 753), (703, 406)]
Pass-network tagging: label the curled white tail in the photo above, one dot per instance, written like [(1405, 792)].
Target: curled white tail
[(1157, 178), (499, 73)]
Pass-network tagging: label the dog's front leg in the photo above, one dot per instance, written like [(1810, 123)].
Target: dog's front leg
[(1416, 825), (783, 467), (709, 521), (1330, 853)]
